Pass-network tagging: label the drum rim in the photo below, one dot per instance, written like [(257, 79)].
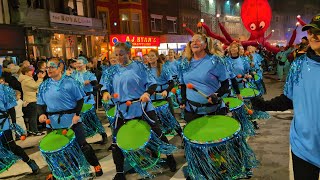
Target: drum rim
[(215, 142), (65, 146), (140, 147), (160, 101), (237, 107)]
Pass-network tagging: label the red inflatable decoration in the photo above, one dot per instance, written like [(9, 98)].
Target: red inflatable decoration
[(256, 17)]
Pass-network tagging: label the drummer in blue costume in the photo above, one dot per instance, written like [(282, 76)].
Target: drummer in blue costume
[(164, 78), (302, 93), (207, 74), (238, 65), (88, 80), (7, 104), (61, 97), (173, 64), (132, 82)]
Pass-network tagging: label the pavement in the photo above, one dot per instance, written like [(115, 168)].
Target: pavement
[(271, 145)]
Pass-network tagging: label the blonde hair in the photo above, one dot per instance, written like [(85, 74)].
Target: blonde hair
[(234, 43), (216, 48), (159, 62), (189, 53)]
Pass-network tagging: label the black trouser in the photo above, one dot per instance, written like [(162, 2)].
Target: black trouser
[(303, 170), (10, 144), (31, 113), (85, 147), (117, 155)]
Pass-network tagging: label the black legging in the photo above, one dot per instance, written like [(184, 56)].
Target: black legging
[(10, 144), (304, 170), (117, 155), (84, 145)]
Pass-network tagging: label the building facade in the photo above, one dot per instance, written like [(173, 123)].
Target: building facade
[(60, 28), (126, 19), (12, 39)]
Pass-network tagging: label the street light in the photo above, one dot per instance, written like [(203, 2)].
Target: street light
[(273, 30), (218, 15), (202, 20)]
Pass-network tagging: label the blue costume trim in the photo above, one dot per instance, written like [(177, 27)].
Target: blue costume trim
[(295, 72), (9, 93)]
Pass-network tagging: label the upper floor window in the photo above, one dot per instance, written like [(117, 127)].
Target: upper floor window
[(135, 23), (125, 26), (75, 8), (172, 24), (156, 23)]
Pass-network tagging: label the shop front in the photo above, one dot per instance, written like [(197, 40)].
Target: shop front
[(67, 36), (175, 42), (140, 44)]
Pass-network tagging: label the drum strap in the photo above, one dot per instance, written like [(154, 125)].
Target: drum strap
[(61, 113), (198, 105), (4, 115)]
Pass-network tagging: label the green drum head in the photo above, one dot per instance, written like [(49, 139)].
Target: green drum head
[(86, 107), (233, 102), (256, 77), (55, 140), (159, 103), (208, 129), (112, 111), (249, 92), (133, 135)]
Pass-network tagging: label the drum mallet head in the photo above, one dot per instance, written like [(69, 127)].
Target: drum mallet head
[(64, 132), (174, 90), (128, 103), (239, 76), (23, 137), (49, 123), (116, 95)]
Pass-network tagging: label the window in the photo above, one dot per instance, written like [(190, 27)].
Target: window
[(77, 9), (125, 27), (156, 23), (105, 14), (4, 13), (135, 23), (172, 24)]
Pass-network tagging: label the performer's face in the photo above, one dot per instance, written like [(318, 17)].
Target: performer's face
[(171, 54), (314, 39), (241, 51), (152, 57), (198, 44), (122, 55), (234, 50), (53, 69), (113, 59)]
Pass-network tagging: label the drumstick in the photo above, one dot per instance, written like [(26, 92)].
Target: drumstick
[(48, 122), (250, 112), (129, 103), (190, 86)]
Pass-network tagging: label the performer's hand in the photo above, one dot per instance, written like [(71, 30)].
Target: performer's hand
[(106, 96), (182, 106), (240, 97), (75, 119), (43, 118), (249, 76), (86, 82), (252, 64), (244, 80), (254, 73), (164, 93), (145, 97)]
